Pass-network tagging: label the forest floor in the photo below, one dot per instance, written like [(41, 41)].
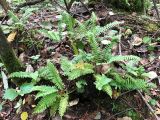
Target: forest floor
[(125, 106)]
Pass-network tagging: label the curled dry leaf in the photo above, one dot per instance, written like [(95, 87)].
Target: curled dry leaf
[(128, 32), (29, 68), (136, 41), (74, 102), (152, 75), (105, 42)]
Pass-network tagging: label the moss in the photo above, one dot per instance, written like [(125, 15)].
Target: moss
[(130, 5), (151, 27), (8, 57)]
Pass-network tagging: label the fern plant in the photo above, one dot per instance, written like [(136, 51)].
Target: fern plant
[(86, 62), (18, 23), (54, 97)]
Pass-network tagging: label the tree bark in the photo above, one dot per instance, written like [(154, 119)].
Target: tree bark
[(8, 57), (5, 5)]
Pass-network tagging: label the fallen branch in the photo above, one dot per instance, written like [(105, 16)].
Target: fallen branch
[(150, 108)]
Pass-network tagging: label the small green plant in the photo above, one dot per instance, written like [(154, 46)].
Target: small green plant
[(18, 23), (35, 57), (54, 97), (86, 62)]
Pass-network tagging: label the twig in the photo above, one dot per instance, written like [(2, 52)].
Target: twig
[(67, 7), (119, 45), (132, 107), (71, 13), (155, 7), (119, 113), (85, 6), (27, 4), (150, 108)]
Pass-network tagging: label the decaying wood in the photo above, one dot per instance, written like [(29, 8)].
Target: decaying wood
[(5, 5), (8, 56)]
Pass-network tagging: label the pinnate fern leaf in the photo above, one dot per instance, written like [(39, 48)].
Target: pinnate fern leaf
[(123, 58), (107, 88), (63, 104), (24, 75), (54, 76), (75, 70), (45, 102)]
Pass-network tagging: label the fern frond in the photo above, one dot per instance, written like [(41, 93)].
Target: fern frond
[(137, 84), (113, 24), (13, 16), (75, 70), (123, 58), (99, 29), (127, 82), (45, 102), (44, 88), (107, 89), (54, 107), (54, 76), (24, 75), (94, 45), (42, 94), (63, 104), (43, 72)]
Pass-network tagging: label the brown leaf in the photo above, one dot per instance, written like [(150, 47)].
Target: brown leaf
[(11, 36)]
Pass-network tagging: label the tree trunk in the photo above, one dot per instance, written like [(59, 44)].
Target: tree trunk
[(8, 57), (5, 5)]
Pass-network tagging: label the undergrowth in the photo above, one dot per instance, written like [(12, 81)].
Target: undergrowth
[(55, 96)]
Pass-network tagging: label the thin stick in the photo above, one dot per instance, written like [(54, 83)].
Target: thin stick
[(150, 108), (119, 113), (67, 7), (155, 7), (71, 13), (119, 45), (85, 6)]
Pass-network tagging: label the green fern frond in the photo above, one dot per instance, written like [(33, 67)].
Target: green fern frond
[(75, 73), (113, 24), (54, 107), (123, 58), (50, 73), (99, 29), (63, 104), (94, 45), (13, 16), (54, 76), (69, 21), (24, 75), (137, 84), (44, 88), (45, 102), (107, 89), (42, 94), (127, 82), (75, 70)]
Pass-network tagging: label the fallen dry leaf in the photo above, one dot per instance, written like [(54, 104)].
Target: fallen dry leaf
[(11, 36), (136, 40)]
